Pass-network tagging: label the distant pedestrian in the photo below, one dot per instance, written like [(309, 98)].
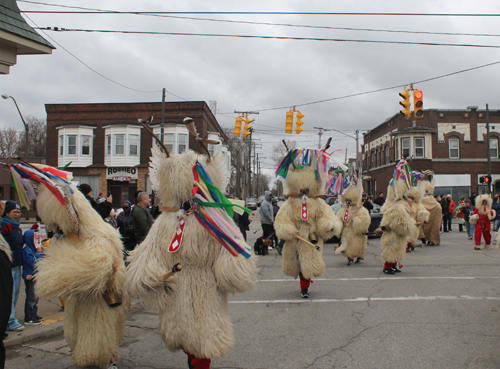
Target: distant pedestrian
[(104, 208), (467, 212), (31, 255), (267, 217), (473, 200), (444, 208), (244, 223), (459, 213), (6, 286), (496, 207), (451, 209), (367, 202), (13, 234), (141, 218), (380, 200), (125, 226), (276, 209)]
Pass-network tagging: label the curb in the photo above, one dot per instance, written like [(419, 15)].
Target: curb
[(49, 330)]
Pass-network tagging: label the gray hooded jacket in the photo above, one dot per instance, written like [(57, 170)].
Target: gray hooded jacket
[(266, 209)]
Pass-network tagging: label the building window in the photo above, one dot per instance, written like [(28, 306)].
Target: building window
[(419, 147), (405, 147), (211, 149), (494, 148), (396, 144), (85, 145), (133, 144), (72, 145), (108, 144), (168, 140), (119, 144), (386, 154), (454, 146), (182, 139), (61, 145), (372, 164)]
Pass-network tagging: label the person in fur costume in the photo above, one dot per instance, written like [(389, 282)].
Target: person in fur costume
[(481, 217), (355, 217), (196, 232), (305, 220), (421, 216), (85, 267), (397, 222), (430, 231)]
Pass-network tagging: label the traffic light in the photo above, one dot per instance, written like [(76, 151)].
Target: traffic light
[(487, 180), (418, 104), (247, 128), (405, 103), (481, 179), (289, 122), (300, 122), (237, 127)]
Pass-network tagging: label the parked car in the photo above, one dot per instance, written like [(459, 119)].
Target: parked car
[(375, 215), (260, 199), (251, 203), (329, 199), (281, 197)]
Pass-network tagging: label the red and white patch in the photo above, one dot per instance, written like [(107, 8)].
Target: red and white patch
[(346, 214), (304, 213), (178, 235)]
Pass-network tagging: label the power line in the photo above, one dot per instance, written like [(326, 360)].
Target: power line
[(283, 24)]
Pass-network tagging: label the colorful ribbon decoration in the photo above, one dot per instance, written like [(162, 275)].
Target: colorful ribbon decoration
[(316, 159), (24, 173), (339, 181), (214, 211), (403, 171)]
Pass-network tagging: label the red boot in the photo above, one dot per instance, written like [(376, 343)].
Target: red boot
[(194, 363), (304, 287)]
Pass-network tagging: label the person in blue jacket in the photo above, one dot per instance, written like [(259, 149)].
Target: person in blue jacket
[(11, 231), (31, 255)]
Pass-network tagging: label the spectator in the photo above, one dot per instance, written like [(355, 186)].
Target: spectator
[(111, 220), (125, 226), (367, 203), (244, 223), (6, 286), (155, 209), (473, 200), (496, 207), (460, 214), (31, 255), (451, 209), (141, 218), (13, 234), (445, 210), (470, 227), (104, 208), (276, 208), (380, 200), (267, 217)]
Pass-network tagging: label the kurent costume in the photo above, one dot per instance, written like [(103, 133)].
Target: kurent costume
[(85, 267), (430, 230), (305, 220), (421, 216), (397, 223), (196, 230), (355, 217), (481, 217)]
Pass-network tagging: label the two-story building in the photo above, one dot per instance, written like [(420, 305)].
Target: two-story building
[(110, 150), (452, 143)]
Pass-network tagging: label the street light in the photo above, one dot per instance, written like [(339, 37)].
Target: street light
[(5, 96)]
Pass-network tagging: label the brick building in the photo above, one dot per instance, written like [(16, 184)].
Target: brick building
[(452, 143), (110, 150)]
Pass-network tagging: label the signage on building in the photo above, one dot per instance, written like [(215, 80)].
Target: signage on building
[(121, 173)]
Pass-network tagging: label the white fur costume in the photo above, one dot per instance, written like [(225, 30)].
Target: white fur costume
[(481, 217), (356, 223), (417, 210), (430, 230), (83, 269), (194, 314), (298, 256)]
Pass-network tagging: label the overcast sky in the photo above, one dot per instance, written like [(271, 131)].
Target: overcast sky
[(256, 74)]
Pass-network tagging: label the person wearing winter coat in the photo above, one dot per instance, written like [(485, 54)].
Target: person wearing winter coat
[(103, 208), (124, 222), (451, 208), (141, 218), (13, 234), (6, 284), (267, 216), (31, 255)]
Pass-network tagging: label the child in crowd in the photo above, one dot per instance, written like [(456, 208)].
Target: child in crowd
[(31, 254)]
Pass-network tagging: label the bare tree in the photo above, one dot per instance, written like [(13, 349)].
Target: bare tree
[(10, 140), (37, 136), (237, 148), (279, 150)]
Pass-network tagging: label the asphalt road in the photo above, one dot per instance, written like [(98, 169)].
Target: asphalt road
[(442, 311)]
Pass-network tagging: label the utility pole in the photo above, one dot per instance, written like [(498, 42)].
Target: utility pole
[(258, 164), (488, 139), (320, 133), (358, 166), (162, 130), (249, 166), (238, 179)]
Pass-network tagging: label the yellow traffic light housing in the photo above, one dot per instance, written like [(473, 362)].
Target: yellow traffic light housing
[(418, 104), (300, 122), (289, 122), (237, 127), (405, 103), (247, 128)]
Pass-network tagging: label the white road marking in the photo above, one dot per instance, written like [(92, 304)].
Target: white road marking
[(365, 299)]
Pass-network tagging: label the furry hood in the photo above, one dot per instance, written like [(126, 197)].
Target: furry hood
[(483, 204), (416, 193), (353, 194), (396, 190), (302, 179), (430, 184), (4, 246)]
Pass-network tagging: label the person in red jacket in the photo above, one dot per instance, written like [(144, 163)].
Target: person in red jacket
[(451, 208)]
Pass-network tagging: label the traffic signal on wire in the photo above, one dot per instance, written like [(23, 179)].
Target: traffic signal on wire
[(299, 122), (418, 104), (487, 180), (247, 128), (237, 127), (405, 103), (481, 179), (289, 122)]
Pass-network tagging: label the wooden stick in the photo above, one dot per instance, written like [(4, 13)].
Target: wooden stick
[(356, 213), (419, 223), (309, 243), (177, 268)]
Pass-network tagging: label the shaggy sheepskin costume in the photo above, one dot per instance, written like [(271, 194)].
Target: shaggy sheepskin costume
[(193, 303), (481, 217), (85, 268), (414, 197), (397, 222), (430, 230), (305, 215), (355, 218)]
